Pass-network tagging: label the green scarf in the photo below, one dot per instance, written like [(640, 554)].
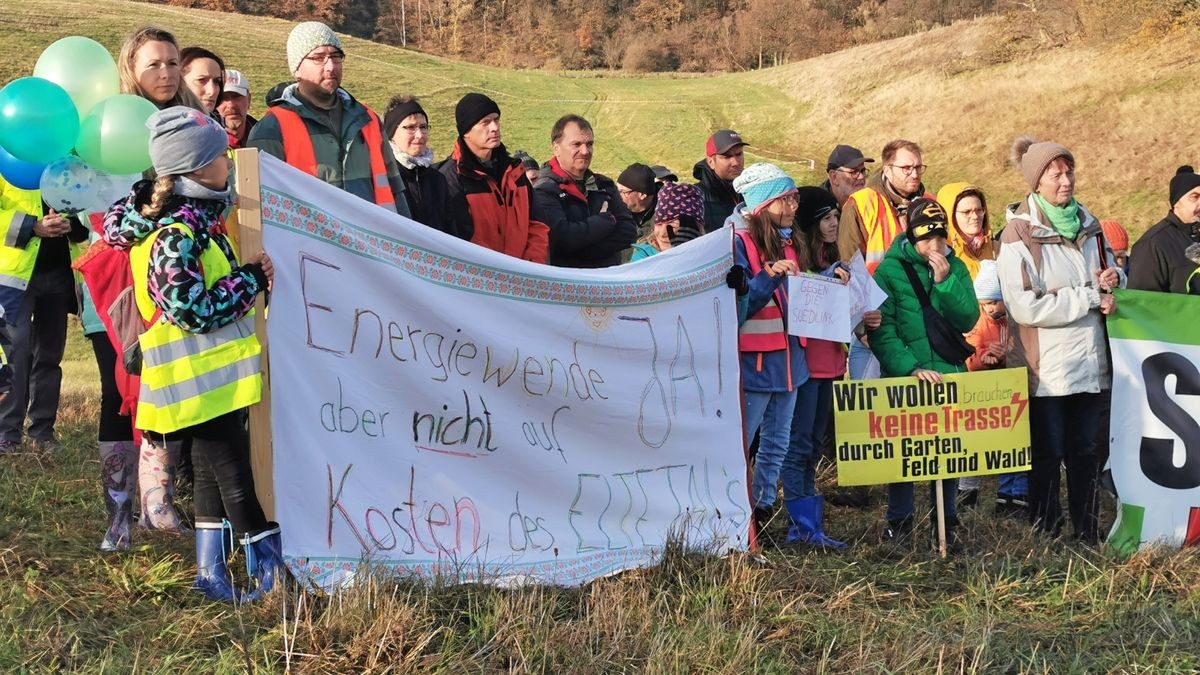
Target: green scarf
[(1064, 219)]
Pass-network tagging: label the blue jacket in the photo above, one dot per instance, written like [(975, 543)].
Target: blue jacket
[(767, 371)]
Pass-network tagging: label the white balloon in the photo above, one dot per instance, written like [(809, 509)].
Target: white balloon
[(69, 185)]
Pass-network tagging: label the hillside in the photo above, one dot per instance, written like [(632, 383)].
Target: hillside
[(960, 91)]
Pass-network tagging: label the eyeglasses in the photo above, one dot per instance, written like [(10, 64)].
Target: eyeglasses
[(414, 128), (321, 59), (624, 192), (853, 172), (914, 169)]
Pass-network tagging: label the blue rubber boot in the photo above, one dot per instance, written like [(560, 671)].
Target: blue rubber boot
[(820, 538), (264, 561), (212, 572), (806, 514)]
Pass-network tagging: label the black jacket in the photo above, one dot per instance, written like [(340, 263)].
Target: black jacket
[(1157, 261), (719, 196), (429, 198), (581, 235)]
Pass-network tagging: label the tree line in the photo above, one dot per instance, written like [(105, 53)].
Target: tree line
[(669, 35)]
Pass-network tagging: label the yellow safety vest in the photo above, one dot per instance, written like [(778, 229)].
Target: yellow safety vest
[(19, 209), (189, 378), (880, 225)]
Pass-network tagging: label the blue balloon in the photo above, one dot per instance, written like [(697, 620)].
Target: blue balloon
[(21, 174)]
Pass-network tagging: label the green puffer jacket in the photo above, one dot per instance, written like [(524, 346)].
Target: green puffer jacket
[(342, 157), (900, 343)]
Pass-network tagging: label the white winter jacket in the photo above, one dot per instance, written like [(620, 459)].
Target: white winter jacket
[(1053, 300)]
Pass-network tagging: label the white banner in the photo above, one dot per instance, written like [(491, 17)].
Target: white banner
[(439, 409)]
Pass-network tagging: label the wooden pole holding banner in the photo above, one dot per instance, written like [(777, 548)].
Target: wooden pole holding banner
[(941, 518), (250, 242)]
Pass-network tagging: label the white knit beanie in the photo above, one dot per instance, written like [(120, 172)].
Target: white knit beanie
[(987, 282), (306, 37)]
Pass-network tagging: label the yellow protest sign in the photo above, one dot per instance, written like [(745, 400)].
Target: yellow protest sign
[(903, 429)]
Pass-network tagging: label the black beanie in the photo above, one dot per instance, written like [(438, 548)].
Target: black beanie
[(472, 108), (396, 115), (1184, 181), (814, 204), (926, 218)]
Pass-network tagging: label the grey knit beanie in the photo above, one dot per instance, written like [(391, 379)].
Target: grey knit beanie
[(1032, 156), (183, 140), (306, 37)]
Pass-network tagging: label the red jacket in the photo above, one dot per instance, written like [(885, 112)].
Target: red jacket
[(500, 210)]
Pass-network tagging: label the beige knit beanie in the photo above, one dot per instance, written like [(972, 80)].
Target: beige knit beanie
[(1032, 156)]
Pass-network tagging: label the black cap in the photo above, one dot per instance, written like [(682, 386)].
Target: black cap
[(639, 178), (847, 156), (926, 218), (527, 161), (722, 141), (664, 175)]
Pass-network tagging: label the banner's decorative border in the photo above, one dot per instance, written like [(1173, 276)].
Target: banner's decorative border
[(328, 572), (286, 211)]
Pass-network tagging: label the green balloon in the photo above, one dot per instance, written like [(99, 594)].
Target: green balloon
[(81, 66), (38, 122), (114, 137)]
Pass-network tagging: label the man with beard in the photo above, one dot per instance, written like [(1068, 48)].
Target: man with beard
[(724, 161), (321, 129)]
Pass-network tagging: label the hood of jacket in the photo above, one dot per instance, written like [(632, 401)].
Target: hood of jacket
[(737, 219), (125, 226)]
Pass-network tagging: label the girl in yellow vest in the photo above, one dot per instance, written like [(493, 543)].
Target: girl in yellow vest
[(200, 357)]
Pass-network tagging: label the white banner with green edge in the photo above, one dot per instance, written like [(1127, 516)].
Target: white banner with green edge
[(1155, 430)]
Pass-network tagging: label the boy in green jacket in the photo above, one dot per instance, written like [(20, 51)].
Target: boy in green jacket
[(902, 342)]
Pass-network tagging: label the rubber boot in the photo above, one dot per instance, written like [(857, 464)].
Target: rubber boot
[(820, 538), (212, 569), (264, 560), (807, 514), (157, 486), (118, 478), (800, 529)]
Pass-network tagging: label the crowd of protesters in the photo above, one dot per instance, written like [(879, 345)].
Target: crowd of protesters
[(964, 293)]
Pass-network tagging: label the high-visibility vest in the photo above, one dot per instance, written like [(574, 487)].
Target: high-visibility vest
[(880, 224), (298, 149), (189, 378), (764, 331), (19, 210)]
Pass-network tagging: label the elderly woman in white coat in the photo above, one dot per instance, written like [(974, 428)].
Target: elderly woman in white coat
[(1056, 275)]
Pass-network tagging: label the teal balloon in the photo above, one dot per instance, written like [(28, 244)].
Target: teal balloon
[(83, 68), (24, 175), (113, 137), (38, 120)]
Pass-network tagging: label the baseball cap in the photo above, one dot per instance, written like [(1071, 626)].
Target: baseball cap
[(926, 218), (236, 83), (722, 142), (847, 156)]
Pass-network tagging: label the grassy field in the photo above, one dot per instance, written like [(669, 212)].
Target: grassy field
[(963, 92), (1012, 603)]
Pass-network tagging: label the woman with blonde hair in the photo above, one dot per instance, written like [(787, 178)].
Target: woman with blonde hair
[(149, 66)]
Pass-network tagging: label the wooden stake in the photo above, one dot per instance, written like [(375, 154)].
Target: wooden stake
[(941, 519), (250, 242)]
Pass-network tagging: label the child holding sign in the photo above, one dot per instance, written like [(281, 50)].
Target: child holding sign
[(772, 361), (817, 218), (920, 270)]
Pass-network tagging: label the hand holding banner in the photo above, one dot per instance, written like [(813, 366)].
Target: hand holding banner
[(819, 307)]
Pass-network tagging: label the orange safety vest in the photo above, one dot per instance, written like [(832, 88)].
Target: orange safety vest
[(764, 331), (880, 223), (298, 149)]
